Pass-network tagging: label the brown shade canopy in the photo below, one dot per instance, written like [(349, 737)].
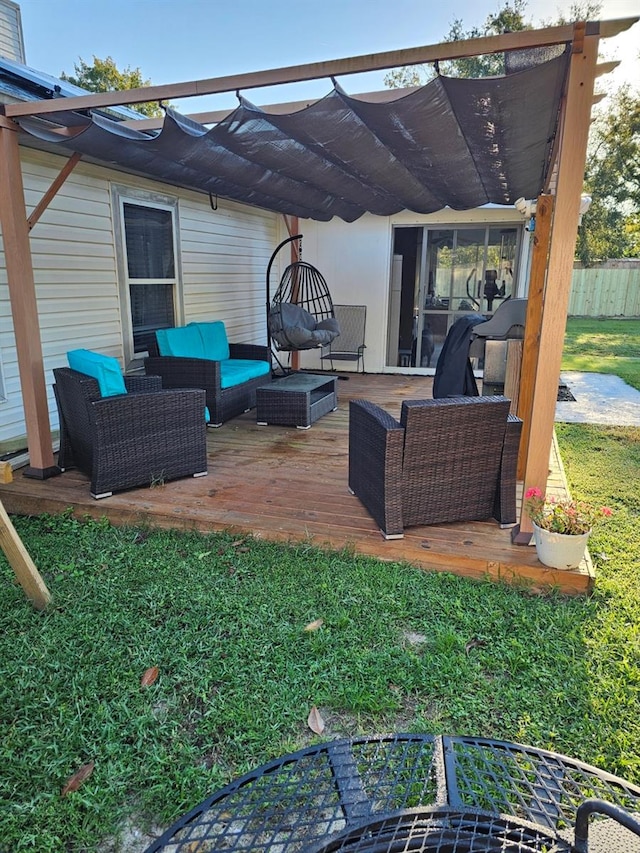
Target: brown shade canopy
[(455, 142)]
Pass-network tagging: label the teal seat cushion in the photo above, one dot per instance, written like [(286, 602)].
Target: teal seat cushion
[(234, 371), (103, 368), (182, 341), (214, 339)]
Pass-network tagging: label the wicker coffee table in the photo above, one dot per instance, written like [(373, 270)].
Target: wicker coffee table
[(298, 399), (419, 793)]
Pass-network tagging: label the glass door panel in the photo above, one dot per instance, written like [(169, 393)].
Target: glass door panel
[(467, 273), (498, 275), (446, 272)]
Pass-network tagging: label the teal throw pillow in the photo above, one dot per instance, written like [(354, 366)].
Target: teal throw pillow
[(103, 368), (182, 341), (214, 340)]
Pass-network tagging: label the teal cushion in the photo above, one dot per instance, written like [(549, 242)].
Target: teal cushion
[(104, 368), (183, 341), (214, 339), (234, 371)]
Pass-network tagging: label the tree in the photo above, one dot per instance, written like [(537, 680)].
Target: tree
[(611, 228), (577, 12), (509, 18), (104, 76)]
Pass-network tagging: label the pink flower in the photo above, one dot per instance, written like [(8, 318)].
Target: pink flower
[(566, 516)]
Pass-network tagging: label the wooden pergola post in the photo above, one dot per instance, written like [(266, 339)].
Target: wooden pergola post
[(535, 306), (22, 293), (557, 288)]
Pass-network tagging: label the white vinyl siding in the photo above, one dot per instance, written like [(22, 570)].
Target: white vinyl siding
[(11, 40), (224, 256)]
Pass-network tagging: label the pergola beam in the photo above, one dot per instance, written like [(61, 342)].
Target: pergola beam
[(315, 70), (282, 108)]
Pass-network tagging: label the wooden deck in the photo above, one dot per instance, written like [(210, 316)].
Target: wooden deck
[(285, 484)]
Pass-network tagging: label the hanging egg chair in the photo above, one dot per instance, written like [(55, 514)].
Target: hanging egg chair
[(300, 315)]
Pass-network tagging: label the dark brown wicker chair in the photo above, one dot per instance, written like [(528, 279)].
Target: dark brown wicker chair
[(451, 459), (145, 436), (223, 403)]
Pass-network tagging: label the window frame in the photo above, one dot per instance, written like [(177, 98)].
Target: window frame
[(122, 195)]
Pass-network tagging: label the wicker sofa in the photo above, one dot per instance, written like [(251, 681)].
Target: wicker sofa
[(133, 439), (199, 356), (432, 467)]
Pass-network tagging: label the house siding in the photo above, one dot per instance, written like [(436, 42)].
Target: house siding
[(11, 40), (224, 257)]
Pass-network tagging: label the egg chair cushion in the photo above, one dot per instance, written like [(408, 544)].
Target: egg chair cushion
[(293, 327)]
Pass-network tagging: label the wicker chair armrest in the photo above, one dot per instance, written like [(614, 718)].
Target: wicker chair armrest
[(255, 352), (376, 442), (146, 417), (177, 372), (138, 383), (505, 507)]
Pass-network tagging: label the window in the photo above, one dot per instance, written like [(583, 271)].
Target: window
[(149, 280)]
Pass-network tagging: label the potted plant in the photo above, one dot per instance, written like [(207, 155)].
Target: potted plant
[(561, 528)]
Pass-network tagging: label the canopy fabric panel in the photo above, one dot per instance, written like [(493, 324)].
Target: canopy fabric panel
[(455, 142)]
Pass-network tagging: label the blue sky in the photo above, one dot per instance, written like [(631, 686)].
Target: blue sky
[(177, 40)]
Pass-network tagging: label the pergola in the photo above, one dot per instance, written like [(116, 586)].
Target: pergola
[(67, 120)]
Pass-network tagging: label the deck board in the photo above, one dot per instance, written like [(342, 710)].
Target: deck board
[(285, 484)]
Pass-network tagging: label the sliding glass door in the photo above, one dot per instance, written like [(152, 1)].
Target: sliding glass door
[(440, 274)]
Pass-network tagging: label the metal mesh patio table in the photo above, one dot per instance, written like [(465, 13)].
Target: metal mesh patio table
[(410, 792)]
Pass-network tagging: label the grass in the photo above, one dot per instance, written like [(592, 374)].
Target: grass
[(604, 346), (224, 619)]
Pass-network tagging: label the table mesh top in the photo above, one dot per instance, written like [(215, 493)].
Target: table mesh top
[(407, 792)]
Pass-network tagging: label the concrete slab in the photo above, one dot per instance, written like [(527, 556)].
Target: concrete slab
[(600, 398)]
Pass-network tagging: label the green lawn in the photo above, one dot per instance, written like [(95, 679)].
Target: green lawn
[(224, 619), (604, 346)]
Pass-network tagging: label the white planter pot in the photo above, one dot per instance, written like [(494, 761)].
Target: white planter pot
[(560, 550)]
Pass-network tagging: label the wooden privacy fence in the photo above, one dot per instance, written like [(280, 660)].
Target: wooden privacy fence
[(610, 289)]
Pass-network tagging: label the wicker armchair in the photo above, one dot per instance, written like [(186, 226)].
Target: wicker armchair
[(222, 403), (450, 459), (144, 436)]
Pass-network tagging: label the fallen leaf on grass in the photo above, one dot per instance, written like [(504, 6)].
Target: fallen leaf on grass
[(475, 642), (150, 676), (313, 626), (315, 721), (80, 776)]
